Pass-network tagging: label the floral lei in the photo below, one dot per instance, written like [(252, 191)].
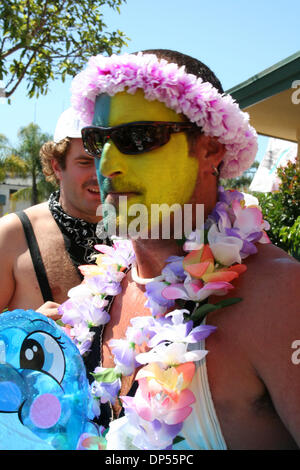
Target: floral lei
[(163, 399)]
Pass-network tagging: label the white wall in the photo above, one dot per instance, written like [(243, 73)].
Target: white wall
[(13, 184)]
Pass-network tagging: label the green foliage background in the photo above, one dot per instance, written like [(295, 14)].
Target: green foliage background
[(44, 40), (24, 161), (282, 210)]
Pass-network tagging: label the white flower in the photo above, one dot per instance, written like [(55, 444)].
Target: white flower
[(82, 333), (226, 249), (194, 241), (121, 434), (80, 291), (171, 354)]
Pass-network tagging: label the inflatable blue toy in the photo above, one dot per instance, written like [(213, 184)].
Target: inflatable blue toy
[(45, 402)]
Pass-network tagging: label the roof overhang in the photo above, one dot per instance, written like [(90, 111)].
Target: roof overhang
[(272, 99)]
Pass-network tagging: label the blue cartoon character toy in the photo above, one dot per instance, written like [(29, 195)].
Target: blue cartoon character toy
[(45, 401)]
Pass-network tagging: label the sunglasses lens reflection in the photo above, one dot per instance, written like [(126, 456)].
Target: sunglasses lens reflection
[(131, 139)]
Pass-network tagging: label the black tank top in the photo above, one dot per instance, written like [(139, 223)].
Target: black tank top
[(36, 257)]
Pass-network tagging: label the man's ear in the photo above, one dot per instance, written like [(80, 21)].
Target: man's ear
[(208, 150), (56, 168), (216, 151)]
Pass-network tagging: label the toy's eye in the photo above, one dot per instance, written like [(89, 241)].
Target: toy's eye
[(41, 351)]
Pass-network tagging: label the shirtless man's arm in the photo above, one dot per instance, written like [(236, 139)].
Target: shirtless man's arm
[(280, 327), (254, 383), (11, 244)]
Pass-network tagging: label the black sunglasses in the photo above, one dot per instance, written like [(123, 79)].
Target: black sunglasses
[(132, 138)]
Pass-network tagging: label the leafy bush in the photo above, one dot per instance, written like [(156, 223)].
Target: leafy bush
[(282, 210), (290, 237)]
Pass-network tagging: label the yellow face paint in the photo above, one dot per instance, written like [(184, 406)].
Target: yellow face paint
[(166, 175)]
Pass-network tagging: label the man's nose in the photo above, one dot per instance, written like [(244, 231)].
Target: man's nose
[(112, 162)]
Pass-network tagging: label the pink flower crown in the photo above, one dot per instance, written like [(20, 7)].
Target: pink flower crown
[(218, 115)]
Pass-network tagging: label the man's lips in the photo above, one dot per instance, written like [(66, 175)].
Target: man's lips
[(94, 192), (121, 193), (114, 196)]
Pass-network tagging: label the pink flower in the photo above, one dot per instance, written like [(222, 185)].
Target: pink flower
[(248, 220), (153, 400), (89, 442), (216, 114), (195, 289)]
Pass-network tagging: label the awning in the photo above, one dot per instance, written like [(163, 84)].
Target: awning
[(272, 99)]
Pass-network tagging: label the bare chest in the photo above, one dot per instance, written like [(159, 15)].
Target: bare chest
[(130, 303), (60, 271), (242, 403), (243, 407)]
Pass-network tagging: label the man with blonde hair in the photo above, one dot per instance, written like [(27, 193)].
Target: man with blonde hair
[(42, 246)]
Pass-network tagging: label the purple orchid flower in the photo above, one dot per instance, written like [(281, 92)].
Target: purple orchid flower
[(75, 311), (173, 271), (144, 328), (152, 435), (106, 391), (229, 196), (199, 333), (179, 331), (157, 303), (248, 247), (84, 347), (103, 285), (124, 355), (70, 312), (95, 316), (121, 253), (220, 213)]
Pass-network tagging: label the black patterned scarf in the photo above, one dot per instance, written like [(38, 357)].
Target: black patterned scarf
[(79, 236)]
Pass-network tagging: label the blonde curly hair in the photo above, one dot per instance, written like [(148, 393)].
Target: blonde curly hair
[(54, 151)]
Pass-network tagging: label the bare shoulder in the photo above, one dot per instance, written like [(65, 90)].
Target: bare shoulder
[(272, 282), (268, 315), (269, 256), (274, 329), (11, 230), (38, 212), (259, 334)]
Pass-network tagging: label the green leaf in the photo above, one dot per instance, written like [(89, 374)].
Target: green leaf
[(178, 439), (228, 302), (203, 310), (56, 32), (108, 375)]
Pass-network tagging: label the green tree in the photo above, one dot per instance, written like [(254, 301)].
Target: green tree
[(10, 163), (43, 40), (27, 156), (282, 210), (31, 140)]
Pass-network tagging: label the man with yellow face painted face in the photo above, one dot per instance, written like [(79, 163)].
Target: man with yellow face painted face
[(161, 131), (147, 178)]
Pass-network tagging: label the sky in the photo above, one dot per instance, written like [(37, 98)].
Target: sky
[(236, 38)]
